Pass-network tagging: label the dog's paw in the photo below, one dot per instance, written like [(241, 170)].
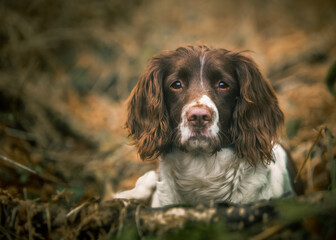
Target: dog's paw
[(143, 189)]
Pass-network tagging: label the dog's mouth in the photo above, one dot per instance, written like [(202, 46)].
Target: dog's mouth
[(200, 142)]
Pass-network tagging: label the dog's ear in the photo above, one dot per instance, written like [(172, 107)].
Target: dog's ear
[(257, 116), (147, 121)]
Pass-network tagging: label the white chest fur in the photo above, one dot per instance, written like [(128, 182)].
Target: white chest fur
[(190, 178)]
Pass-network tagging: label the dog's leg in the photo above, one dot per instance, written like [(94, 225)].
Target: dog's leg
[(143, 189)]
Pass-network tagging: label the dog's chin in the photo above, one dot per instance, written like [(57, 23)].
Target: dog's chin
[(200, 144)]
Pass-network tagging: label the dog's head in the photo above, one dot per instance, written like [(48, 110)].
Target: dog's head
[(200, 99)]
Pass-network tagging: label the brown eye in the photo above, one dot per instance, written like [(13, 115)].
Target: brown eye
[(222, 86), (176, 86)]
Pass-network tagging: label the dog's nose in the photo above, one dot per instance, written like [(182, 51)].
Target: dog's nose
[(199, 116)]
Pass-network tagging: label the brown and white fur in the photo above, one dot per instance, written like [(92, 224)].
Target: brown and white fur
[(212, 119)]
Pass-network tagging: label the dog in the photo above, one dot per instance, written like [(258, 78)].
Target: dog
[(212, 119)]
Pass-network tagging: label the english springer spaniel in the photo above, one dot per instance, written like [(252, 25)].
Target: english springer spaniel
[(212, 119)]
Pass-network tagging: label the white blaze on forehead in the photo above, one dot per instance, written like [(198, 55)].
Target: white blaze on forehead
[(213, 129), (205, 100), (202, 59)]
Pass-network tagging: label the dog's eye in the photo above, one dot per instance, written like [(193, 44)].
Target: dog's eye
[(176, 86), (222, 86)]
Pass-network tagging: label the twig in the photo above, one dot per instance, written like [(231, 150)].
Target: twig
[(137, 220), (13, 217), (319, 135), (8, 160), (310, 180), (122, 217), (48, 218), (76, 209), (331, 159), (28, 215), (267, 233), (19, 134)]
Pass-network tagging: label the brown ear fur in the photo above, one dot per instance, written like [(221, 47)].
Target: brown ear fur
[(257, 116), (147, 121)]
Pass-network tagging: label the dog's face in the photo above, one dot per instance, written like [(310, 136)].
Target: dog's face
[(200, 99), (200, 92)]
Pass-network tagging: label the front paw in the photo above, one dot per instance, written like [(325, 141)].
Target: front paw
[(143, 189)]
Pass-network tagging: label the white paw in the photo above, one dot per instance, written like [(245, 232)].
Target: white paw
[(143, 189)]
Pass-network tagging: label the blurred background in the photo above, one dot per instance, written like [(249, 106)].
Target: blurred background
[(67, 67)]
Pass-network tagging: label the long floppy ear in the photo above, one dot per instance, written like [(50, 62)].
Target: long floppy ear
[(147, 121), (257, 116)]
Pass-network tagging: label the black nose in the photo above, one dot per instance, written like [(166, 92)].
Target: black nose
[(199, 116)]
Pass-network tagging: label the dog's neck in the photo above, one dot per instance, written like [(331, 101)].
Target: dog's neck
[(200, 177)]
